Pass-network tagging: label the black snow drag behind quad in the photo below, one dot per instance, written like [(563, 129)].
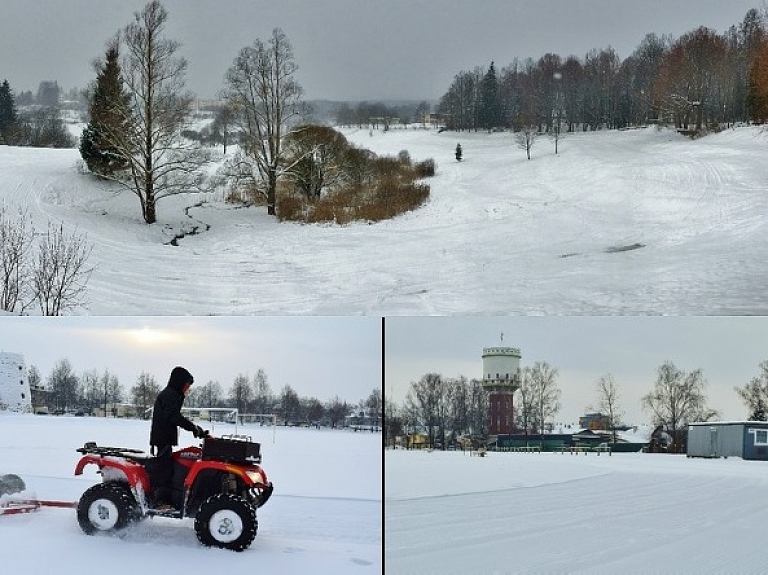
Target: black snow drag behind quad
[(220, 485)]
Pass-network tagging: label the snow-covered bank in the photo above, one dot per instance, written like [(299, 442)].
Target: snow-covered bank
[(633, 222), (324, 517), (560, 513)]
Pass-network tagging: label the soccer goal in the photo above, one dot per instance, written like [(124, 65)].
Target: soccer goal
[(260, 418)]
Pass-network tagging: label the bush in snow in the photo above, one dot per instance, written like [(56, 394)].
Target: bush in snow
[(349, 184), (53, 274)]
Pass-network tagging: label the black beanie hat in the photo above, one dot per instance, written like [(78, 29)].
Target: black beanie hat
[(180, 376)]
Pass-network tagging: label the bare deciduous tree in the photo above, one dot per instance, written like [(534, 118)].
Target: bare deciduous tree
[(426, 401), (316, 158), (459, 405), (755, 395), (222, 124), (63, 386), (525, 408), (546, 394), (556, 135), (16, 238), (290, 405), (144, 393), (691, 78), (262, 393), (337, 410), (677, 399), (538, 397), (478, 408), (90, 390), (111, 390), (206, 395), (61, 272), (607, 400), (160, 162), (241, 393), (525, 139), (266, 99)]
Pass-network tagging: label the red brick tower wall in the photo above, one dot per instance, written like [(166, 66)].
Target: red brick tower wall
[(500, 410)]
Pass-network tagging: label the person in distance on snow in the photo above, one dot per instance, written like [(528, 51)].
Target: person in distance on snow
[(164, 434)]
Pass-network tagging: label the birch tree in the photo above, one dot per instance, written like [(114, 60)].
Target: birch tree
[(545, 393), (160, 162), (677, 399)]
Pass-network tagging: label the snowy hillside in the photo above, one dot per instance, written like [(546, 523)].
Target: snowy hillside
[(449, 513), (325, 515), (633, 222)]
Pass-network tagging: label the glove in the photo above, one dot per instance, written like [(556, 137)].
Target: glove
[(199, 432)]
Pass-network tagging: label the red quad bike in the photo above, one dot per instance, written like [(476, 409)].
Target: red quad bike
[(220, 485)]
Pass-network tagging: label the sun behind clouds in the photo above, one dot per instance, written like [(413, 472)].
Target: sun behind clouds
[(153, 336)]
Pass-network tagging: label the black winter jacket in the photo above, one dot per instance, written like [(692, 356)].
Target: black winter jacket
[(167, 417)]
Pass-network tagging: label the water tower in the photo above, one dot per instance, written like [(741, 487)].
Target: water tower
[(501, 378), (14, 388)]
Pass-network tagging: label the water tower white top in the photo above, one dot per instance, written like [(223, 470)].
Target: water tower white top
[(501, 368), (14, 387)]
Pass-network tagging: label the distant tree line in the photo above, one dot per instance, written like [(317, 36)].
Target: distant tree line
[(444, 409), (699, 80), (93, 391), (38, 126), (380, 115)]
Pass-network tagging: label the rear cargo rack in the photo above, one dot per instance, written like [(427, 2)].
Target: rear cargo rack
[(232, 448), (91, 447)]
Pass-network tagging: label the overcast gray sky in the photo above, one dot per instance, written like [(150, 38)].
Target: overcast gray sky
[(346, 49), (317, 356), (729, 351)]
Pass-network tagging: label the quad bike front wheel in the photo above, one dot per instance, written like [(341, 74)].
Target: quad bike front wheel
[(106, 507), (226, 521)]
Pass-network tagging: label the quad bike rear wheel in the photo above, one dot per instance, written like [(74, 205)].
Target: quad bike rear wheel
[(106, 507), (226, 521)]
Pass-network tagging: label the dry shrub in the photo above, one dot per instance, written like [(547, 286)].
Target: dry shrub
[(376, 188), (291, 208), (425, 169)]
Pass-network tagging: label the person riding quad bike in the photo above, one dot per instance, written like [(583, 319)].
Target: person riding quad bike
[(164, 434)]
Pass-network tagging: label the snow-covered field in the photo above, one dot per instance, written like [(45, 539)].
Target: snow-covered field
[(632, 222), (325, 515), (446, 512)]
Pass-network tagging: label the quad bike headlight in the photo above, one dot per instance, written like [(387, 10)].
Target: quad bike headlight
[(256, 476)]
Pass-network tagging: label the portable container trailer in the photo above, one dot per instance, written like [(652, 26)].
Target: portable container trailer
[(745, 439)]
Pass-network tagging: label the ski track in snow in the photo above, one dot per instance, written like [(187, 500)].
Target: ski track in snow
[(633, 222)]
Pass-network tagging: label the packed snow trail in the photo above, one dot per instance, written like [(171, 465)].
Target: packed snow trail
[(554, 513)]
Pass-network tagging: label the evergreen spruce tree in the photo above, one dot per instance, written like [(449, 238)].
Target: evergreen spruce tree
[(8, 117), (489, 115), (109, 117)]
